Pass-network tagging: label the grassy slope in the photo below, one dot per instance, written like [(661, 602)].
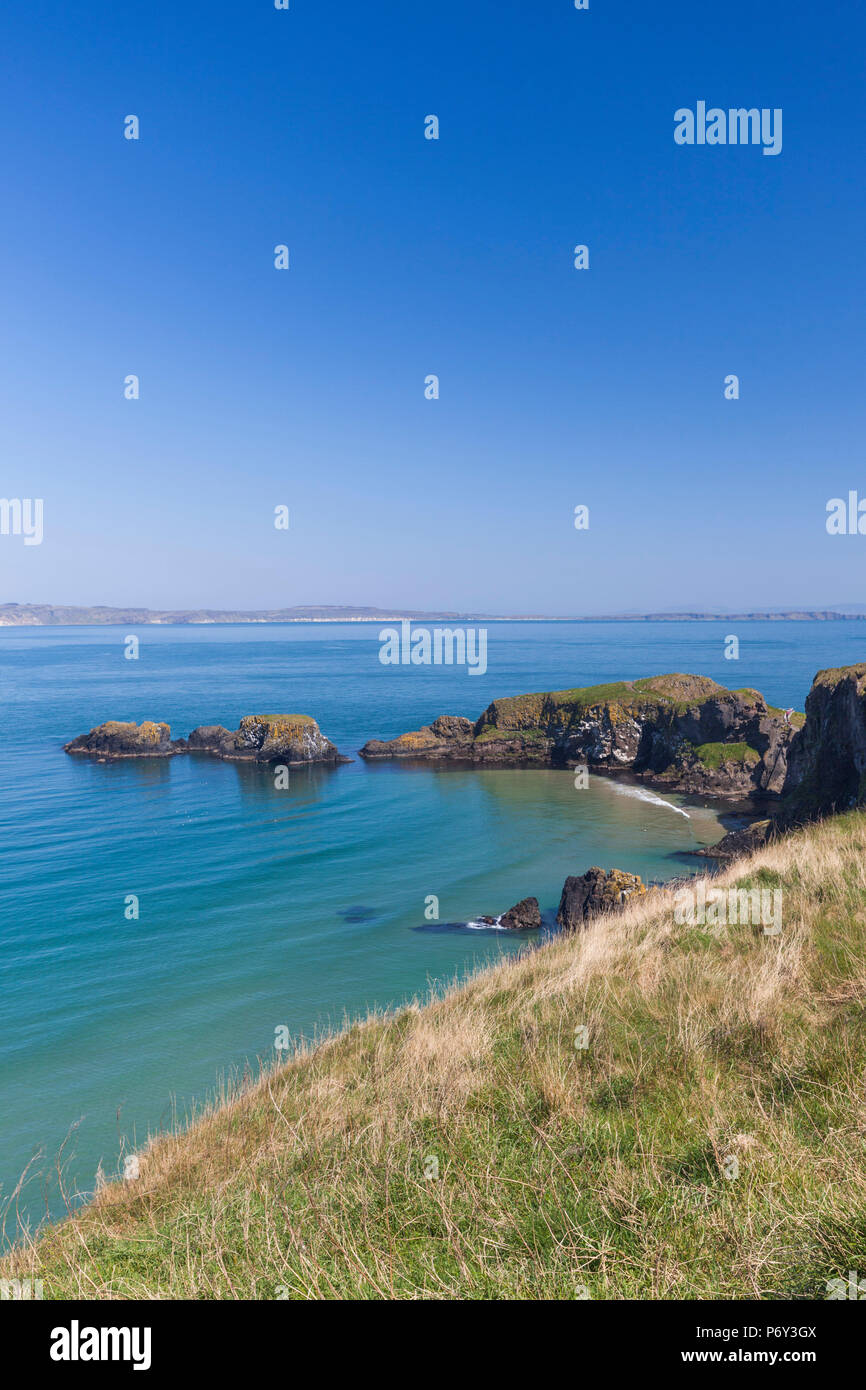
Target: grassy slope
[(560, 1168)]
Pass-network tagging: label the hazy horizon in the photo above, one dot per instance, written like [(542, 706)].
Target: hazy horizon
[(378, 609)]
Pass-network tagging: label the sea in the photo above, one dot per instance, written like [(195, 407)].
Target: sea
[(165, 922)]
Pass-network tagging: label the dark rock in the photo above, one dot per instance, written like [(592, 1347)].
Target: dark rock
[(211, 738), (522, 916), (594, 892), (739, 842), (827, 763), (115, 739)]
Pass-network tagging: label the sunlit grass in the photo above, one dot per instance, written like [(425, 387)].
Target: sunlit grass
[(708, 1141)]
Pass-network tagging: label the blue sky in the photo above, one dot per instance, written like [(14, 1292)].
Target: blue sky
[(411, 257)]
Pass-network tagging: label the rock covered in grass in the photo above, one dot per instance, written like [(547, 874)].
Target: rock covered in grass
[(587, 895), (683, 731), (116, 739), (522, 916)]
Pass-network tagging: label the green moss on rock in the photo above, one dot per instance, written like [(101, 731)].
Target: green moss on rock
[(713, 755)]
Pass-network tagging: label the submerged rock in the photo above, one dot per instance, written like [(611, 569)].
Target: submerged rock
[(587, 895), (115, 739), (524, 915)]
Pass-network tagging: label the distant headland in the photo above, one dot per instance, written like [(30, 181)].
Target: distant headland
[(62, 615)]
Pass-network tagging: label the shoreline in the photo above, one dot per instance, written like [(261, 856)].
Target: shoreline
[(149, 618)]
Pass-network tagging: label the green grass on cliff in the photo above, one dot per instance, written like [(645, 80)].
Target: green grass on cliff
[(674, 694), (679, 692), (523, 712), (712, 755), (646, 1110)]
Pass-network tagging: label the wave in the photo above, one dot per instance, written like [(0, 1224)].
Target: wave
[(643, 795)]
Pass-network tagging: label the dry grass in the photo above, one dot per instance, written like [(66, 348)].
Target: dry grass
[(708, 1142)]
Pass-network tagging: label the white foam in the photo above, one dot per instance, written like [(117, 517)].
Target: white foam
[(643, 795), (487, 926)]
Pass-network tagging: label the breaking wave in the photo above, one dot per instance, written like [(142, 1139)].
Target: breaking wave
[(643, 795)]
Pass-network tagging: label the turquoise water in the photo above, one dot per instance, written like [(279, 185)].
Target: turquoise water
[(262, 907)]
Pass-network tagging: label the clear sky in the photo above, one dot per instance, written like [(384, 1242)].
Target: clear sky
[(410, 257)]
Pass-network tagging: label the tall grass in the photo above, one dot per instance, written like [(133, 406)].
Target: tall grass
[(646, 1110)]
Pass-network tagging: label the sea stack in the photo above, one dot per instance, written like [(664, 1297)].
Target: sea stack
[(115, 739), (267, 738)]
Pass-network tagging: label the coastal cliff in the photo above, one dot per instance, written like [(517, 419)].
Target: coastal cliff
[(684, 732), (827, 764)]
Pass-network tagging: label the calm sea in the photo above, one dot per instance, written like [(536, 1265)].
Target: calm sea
[(261, 908)]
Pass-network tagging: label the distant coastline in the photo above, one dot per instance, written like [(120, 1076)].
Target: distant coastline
[(59, 615)]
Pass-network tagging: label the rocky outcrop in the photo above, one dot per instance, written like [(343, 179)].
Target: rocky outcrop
[(210, 738), (268, 738), (264, 738), (827, 763), (590, 894), (683, 732), (450, 737), (523, 916), (739, 842), (118, 740)]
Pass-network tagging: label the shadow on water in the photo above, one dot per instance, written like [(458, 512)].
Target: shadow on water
[(267, 783), (126, 772), (359, 914)]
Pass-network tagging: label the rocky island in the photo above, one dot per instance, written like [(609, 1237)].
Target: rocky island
[(682, 732), (263, 738)]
